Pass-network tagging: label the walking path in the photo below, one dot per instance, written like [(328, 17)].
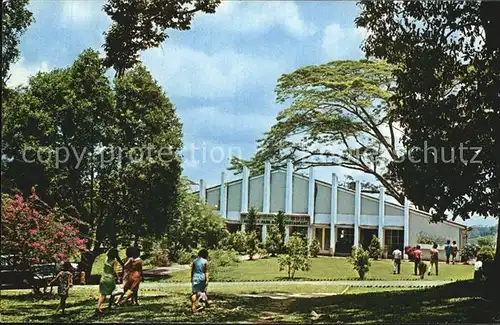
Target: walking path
[(367, 283)]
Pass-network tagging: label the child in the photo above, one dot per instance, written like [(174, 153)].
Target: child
[(434, 258), (199, 279), (447, 251), (396, 255), (417, 255), (132, 276), (454, 252), (65, 278)]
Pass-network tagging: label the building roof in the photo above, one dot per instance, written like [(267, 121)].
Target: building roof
[(363, 195)]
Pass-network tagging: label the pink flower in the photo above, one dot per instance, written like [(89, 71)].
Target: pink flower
[(33, 231)]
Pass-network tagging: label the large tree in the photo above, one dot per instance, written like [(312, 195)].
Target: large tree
[(15, 20), (99, 134), (338, 116), (447, 97), (139, 25)]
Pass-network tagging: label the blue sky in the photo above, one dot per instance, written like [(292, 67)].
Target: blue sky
[(220, 74)]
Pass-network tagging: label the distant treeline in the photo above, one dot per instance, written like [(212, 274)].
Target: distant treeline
[(482, 231)]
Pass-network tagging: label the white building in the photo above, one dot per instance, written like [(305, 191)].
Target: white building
[(336, 216)]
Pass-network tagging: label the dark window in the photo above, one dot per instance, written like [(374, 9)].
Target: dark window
[(327, 239), (394, 239)]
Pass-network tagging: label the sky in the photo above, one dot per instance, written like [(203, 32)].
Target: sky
[(220, 74)]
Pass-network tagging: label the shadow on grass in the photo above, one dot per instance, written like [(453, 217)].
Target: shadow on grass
[(454, 303)]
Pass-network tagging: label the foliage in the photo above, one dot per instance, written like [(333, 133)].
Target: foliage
[(275, 241), (486, 242), (198, 225), (159, 253), (15, 20), (478, 231), (98, 179), (139, 25), (220, 259), (340, 106), (183, 256), (314, 247), (446, 97), (360, 259), (374, 248), (425, 238), (251, 220), (36, 233), (469, 252), (486, 254), (251, 244), (297, 257), (236, 241)]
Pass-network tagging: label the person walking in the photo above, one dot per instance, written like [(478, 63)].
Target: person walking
[(417, 258), (65, 278), (396, 255), (434, 258), (107, 285), (199, 279), (454, 252), (447, 251)]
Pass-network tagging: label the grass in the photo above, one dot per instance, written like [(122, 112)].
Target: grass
[(326, 269), (454, 303)]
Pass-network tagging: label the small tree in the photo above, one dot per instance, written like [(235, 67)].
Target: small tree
[(314, 247), (374, 249), (280, 221), (274, 241), (251, 221), (360, 260), (252, 244), (469, 252), (297, 257)]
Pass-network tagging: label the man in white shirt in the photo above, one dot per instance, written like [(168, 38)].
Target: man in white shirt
[(396, 255), (478, 270)]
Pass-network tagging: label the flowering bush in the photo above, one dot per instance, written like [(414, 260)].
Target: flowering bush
[(37, 234)]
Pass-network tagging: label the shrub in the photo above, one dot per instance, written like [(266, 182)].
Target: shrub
[(274, 241), (469, 252), (159, 253), (147, 246), (262, 252), (252, 243), (314, 247), (486, 254), (184, 256), (486, 241), (235, 241), (425, 238), (374, 249), (360, 259), (220, 259), (297, 257)]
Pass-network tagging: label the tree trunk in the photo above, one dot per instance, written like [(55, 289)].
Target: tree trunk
[(88, 259)]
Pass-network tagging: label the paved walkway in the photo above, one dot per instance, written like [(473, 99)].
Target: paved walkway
[(367, 283)]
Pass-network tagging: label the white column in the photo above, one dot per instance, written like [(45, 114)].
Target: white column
[(267, 188), (381, 216), (242, 227), (203, 190), (310, 202), (406, 222), (357, 213), (263, 233), (244, 190), (333, 213), (289, 187), (222, 208), (287, 233)]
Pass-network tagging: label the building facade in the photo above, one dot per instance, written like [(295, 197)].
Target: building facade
[(336, 216)]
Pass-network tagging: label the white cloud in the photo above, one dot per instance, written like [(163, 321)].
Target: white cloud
[(186, 72), (81, 11), (20, 72), (341, 42), (258, 17)]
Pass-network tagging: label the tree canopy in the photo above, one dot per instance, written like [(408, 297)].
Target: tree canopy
[(447, 97), (339, 116)]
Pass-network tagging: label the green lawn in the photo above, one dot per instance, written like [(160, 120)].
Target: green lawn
[(327, 269), (453, 303)]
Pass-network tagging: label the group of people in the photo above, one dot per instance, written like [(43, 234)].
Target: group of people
[(451, 251), (131, 279)]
